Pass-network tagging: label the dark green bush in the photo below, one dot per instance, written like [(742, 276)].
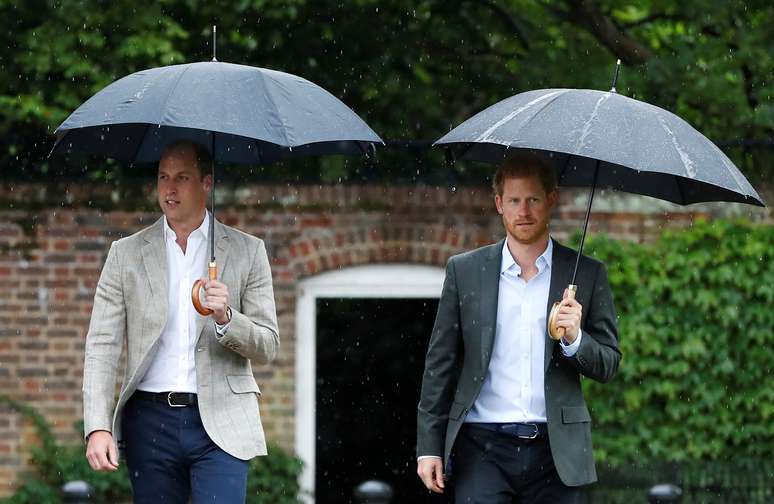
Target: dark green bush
[(274, 479), (693, 402), (271, 480), (696, 322), (55, 464)]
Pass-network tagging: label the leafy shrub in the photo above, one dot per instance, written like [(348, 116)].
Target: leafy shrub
[(274, 479), (696, 323)]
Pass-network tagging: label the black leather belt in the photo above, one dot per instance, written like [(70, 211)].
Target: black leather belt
[(518, 430), (171, 399)]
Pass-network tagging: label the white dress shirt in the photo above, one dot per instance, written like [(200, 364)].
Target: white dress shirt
[(174, 366), (513, 389)]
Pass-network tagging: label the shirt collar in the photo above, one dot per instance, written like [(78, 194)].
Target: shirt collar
[(204, 229), (543, 261)]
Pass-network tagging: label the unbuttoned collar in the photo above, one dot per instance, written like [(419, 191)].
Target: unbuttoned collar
[(543, 261), (204, 229)]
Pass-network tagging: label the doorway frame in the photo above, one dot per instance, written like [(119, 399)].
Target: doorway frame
[(387, 281)]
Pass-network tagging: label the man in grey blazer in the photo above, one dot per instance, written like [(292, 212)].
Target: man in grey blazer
[(187, 415), (501, 413)]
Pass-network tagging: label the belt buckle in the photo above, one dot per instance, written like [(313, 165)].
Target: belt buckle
[(534, 434), (169, 401)]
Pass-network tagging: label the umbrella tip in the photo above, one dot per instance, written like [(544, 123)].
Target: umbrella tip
[(615, 75), (214, 42)]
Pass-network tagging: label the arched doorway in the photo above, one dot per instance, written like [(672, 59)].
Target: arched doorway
[(373, 282)]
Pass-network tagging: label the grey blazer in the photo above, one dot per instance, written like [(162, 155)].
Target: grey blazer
[(130, 307), (461, 346)]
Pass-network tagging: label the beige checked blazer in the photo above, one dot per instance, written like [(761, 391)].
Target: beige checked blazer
[(130, 307)]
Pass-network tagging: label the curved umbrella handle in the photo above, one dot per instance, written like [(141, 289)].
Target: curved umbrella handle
[(555, 332), (212, 273)]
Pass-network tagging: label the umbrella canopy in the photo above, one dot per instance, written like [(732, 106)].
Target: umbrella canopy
[(596, 138), (627, 144), (242, 114)]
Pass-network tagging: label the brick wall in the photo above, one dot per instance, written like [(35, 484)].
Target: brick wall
[(54, 238)]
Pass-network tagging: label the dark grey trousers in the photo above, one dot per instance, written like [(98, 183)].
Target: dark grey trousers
[(494, 468)]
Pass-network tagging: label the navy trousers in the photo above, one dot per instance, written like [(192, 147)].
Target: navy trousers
[(171, 459)]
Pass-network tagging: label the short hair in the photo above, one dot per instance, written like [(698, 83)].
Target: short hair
[(203, 156), (525, 164)]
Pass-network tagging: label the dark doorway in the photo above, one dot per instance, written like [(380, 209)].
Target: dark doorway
[(370, 358)]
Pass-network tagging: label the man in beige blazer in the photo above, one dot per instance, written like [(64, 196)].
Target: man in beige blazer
[(187, 415)]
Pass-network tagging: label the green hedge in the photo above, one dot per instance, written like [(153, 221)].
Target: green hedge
[(272, 479), (696, 323)]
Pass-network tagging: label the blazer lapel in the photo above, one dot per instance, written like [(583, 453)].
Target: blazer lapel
[(222, 248), (222, 253), (490, 289), (561, 275), (154, 258)]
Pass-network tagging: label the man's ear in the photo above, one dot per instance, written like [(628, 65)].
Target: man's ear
[(207, 182), (553, 198), (499, 203)]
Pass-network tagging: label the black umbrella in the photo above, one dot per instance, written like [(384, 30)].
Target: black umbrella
[(241, 114), (603, 139)]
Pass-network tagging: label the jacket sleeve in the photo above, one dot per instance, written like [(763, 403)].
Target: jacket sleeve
[(253, 332), (440, 376), (104, 342), (598, 355)]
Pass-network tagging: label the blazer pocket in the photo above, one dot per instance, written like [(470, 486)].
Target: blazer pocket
[(575, 414), (242, 384)]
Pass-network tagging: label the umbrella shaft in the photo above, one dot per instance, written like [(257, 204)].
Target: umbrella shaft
[(212, 205), (586, 222)]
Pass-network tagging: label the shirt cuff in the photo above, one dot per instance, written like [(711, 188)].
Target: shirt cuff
[(572, 348), (222, 329), (428, 456)]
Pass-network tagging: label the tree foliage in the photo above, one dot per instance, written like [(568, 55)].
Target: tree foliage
[(411, 69)]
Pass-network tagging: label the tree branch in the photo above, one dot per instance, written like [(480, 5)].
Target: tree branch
[(503, 14), (749, 91), (588, 15)]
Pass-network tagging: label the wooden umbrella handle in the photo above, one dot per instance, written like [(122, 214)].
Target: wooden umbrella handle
[(212, 273), (555, 332)]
